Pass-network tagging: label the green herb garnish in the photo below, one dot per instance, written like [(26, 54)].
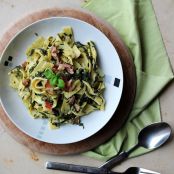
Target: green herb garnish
[(48, 73), (61, 83), (54, 79)]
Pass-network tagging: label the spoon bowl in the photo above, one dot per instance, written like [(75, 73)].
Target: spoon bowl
[(154, 135)]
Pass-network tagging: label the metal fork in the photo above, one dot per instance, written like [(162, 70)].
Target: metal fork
[(94, 170), (135, 170)]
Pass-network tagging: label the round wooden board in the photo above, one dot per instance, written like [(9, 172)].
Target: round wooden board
[(122, 111)]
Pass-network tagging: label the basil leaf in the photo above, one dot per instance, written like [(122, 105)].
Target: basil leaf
[(48, 73), (53, 80), (61, 83)]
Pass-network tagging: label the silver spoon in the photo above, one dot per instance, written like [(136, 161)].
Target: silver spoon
[(151, 137)]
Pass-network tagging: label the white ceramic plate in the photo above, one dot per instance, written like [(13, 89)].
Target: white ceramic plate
[(108, 61)]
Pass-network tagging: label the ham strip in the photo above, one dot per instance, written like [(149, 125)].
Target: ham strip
[(54, 52), (68, 68)]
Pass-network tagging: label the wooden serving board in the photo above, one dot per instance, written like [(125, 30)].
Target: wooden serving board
[(122, 111)]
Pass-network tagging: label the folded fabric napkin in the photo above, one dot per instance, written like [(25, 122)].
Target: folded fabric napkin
[(136, 23)]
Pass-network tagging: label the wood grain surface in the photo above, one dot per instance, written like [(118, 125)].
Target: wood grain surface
[(123, 109)]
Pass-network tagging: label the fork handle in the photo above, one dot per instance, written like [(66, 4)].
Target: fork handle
[(75, 168), (115, 160)]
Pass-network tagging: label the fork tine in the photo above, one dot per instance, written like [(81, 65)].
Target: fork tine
[(145, 171)]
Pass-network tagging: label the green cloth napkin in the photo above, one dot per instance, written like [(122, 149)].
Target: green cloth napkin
[(136, 23)]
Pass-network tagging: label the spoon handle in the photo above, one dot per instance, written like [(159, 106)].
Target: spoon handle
[(115, 160), (118, 158)]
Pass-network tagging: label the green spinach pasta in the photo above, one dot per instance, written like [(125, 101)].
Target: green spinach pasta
[(60, 79)]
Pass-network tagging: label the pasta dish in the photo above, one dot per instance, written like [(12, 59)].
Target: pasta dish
[(60, 79)]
